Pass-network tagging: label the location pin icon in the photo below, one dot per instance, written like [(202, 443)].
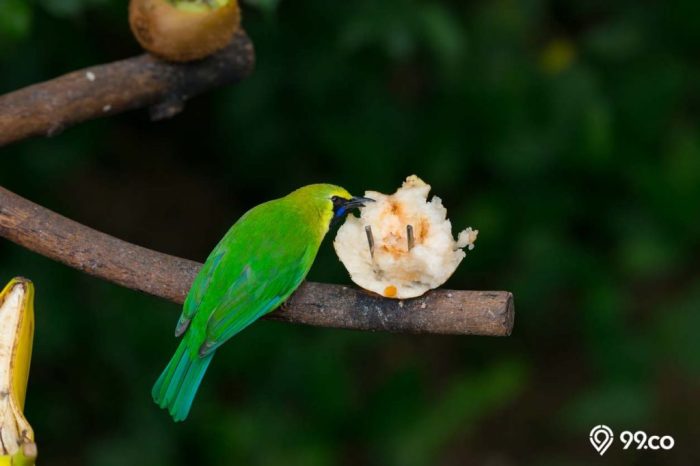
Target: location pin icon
[(601, 437)]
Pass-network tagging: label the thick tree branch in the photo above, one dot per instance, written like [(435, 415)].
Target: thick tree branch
[(48, 108), (440, 311)]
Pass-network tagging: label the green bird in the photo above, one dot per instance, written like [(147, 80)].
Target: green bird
[(256, 266)]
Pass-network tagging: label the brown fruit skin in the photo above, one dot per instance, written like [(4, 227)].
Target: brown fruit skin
[(177, 35)]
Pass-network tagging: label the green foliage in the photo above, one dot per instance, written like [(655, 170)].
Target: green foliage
[(68, 8), (15, 19), (566, 132), (266, 6)]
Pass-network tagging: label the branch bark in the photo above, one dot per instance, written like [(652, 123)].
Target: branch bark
[(440, 311), (47, 108)]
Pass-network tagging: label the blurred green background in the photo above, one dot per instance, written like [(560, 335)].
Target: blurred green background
[(566, 132)]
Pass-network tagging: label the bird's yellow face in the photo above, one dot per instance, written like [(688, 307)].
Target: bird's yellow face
[(343, 202), (331, 202)]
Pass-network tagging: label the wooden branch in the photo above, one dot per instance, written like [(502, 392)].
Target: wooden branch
[(48, 108), (440, 311)]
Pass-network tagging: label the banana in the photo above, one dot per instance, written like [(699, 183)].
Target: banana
[(17, 447)]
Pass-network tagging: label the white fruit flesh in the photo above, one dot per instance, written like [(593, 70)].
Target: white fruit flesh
[(412, 251)]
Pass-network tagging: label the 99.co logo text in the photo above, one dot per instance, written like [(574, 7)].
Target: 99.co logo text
[(602, 437)]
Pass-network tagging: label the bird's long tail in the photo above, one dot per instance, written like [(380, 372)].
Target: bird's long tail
[(177, 385)]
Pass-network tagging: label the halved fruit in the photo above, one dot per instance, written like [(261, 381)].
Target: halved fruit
[(401, 245), (184, 30)]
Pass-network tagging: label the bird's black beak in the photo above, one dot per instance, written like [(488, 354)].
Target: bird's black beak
[(357, 201)]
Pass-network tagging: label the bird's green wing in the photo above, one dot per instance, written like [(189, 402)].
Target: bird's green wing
[(227, 259), (199, 287), (258, 290), (261, 260)]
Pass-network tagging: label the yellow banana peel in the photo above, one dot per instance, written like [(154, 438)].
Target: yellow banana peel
[(17, 447)]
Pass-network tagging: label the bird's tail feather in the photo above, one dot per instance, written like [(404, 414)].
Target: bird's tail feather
[(177, 385)]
